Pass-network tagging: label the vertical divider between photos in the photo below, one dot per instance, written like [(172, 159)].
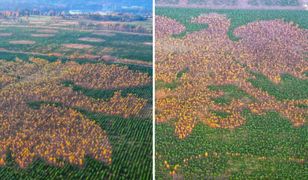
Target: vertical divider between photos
[(153, 61)]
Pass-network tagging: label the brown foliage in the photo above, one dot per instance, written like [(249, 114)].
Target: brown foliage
[(268, 47), (58, 134)]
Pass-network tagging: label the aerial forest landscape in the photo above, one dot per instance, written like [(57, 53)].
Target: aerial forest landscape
[(170, 89), (75, 90), (231, 90)]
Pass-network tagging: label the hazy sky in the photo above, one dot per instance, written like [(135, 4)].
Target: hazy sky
[(73, 4)]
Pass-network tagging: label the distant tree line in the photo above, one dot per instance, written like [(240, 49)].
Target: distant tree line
[(117, 17), (120, 17), (114, 27)]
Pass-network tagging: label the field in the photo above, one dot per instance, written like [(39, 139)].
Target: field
[(75, 103), (74, 42), (235, 4), (231, 94)]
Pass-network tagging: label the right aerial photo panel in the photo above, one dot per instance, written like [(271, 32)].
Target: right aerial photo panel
[(231, 88)]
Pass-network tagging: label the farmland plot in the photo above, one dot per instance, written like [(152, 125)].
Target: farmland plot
[(235, 4), (231, 93), (67, 112), (76, 43), (72, 118)]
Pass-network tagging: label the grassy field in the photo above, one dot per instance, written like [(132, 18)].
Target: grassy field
[(238, 17), (274, 3), (281, 3), (266, 146), (120, 45)]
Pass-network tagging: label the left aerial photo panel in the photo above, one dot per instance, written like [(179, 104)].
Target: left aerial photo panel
[(76, 89)]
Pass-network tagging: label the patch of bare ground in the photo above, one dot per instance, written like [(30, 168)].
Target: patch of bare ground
[(66, 23), (5, 34), (148, 43), (105, 23), (108, 58), (88, 39), (77, 46), (43, 35), (52, 31), (38, 22), (55, 54), (25, 42), (107, 50), (7, 23)]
